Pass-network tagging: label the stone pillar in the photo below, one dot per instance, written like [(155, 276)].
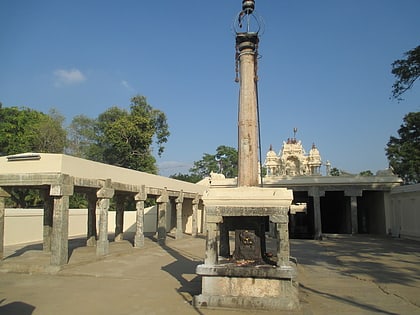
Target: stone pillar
[(119, 218), (140, 198), (224, 244), (353, 193), (48, 221), (91, 220), (212, 226), (103, 195), (60, 230), (246, 44), (162, 202), (179, 202), (281, 221), (195, 203), (3, 195), (315, 193)]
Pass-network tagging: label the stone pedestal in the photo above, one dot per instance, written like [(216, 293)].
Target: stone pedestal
[(265, 284)]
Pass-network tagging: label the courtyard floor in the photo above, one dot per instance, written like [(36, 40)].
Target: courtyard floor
[(338, 275)]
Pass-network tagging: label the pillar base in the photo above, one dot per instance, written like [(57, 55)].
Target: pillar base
[(274, 289)]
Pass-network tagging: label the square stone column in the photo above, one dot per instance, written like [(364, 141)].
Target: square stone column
[(140, 198), (316, 194), (103, 195), (179, 202), (3, 195), (48, 221), (162, 202), (195, 203), (60, 230), (91, 220), (119, 218)]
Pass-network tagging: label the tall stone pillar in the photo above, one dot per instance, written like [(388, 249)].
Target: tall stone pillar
[(179, 202), (119, 218), (140, 198), (247, 44), (91, 220), (315, 193), (195, 203), (3, 195), (353, 194), (48, 221), (103, 195), (162, 202), (60, 230)]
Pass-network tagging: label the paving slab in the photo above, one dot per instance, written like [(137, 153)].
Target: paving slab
[(338, 275)]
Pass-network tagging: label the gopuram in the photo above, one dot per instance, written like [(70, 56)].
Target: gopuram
[(244, 275)]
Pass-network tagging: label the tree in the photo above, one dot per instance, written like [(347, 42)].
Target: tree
[(335, 172), (191, 178), (225, 161), (121, 137), (406, 71), (403, 153), (366, 173), (27, 130), (81, 137)]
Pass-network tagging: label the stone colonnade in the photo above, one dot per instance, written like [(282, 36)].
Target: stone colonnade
[(57, 190), (316, 193)]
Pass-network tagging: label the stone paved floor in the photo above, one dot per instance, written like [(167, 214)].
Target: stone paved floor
[(339, 275)]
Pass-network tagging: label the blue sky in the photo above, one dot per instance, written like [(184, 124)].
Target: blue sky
[(325, 69)]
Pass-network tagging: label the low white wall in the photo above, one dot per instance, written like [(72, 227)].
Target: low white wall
[(405, 212), (26, 225)]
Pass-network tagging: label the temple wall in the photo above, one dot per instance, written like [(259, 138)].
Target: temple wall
[(405, 212)]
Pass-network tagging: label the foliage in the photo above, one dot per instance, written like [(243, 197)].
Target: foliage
[(406, 71), (81, 137), (191, 178), (335, 172), (225, 161), (366, 173), (403, 153), (120, 137), (27, 130)]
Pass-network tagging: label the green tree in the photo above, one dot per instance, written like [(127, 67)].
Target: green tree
[(403, 152), (366, 173), (27, 130), (82, 137), (225, 161), (406, 71), (52, 137), (335, 172), (191, 178), (122, 137)]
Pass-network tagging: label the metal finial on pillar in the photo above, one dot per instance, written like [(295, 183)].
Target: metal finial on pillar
[(247, 20)]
